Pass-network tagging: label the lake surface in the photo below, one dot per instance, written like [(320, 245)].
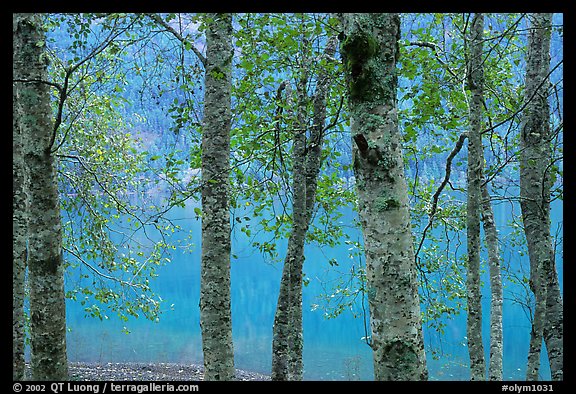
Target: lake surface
[(333, 348)]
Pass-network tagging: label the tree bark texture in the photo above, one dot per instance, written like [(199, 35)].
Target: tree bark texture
[(282, 332), (215, 304), (19, 235), (535, 184), (369, 48), (554, 326), (45, 264), (495, 368), (287, 330), (295, 256), (475, 71), (287, 343)]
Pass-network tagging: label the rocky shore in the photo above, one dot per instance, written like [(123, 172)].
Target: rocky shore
[(144, 371)]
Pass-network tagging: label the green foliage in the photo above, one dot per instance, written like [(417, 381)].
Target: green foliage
[(276, 48), (116, 236), (103, 172), (348, 290)]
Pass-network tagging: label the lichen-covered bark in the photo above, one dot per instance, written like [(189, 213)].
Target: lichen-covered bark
[(369, 48), (300, 222), (46, 269), (316, 139), (474, 179), (535, 187), (19, 235), (280, 329), (496, 335), (554, 326), (287, 330), (287, 342), (215, 305)]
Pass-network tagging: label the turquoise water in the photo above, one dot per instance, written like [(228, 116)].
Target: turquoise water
[(333, 348)]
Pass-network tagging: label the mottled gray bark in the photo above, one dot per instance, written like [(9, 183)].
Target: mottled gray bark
[(215, 304), (287, 342), (535, 184), (369, 49), (46, 269), (280, 329), (283, 316), (300, 222), (496, 300), (475, 71), (19, 235), (287, 329), (316, 138), (554, 326)]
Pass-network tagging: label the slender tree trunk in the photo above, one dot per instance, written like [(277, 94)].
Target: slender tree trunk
[(496, 335), (554, 326), (45, 264), (369, 49), (287, 343), (19, 236), (215, 304), (288, 333), (280, 337), (312, 164), (300, 223), (475, 167), (316, 139), (283, 318), (535, 184)]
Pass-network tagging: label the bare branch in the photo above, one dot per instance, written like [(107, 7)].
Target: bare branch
[(158, 19), (436, 195)]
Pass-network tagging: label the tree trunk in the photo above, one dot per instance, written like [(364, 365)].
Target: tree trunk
[(475, 167), (554, 326), (215, 308), (287, 344), (369, 50), (19, 234), (300, 223), (535, 184), (287, 330), (45, 264), (496, 336)]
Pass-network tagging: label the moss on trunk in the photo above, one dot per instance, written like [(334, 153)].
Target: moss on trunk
[(369, 50), (46, 271)]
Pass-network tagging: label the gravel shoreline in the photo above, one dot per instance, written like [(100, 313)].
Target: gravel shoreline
[(147, 371)]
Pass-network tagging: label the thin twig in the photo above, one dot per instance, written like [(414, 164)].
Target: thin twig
[(523, 106), (179, 36), (436, 195)]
